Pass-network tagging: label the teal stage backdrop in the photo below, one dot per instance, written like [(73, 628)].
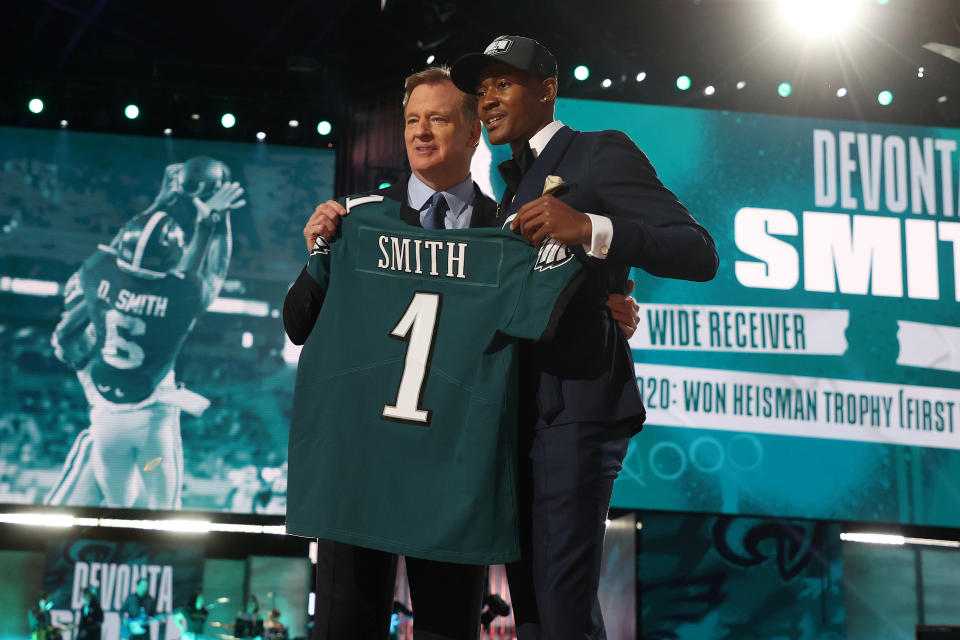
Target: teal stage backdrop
[(818, 376)]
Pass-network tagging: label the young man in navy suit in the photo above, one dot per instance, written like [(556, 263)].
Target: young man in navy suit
[(614, 213)]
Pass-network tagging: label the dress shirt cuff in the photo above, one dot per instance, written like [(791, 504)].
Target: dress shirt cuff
[(601, 237)]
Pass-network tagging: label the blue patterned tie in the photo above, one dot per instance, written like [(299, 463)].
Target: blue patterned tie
[(436, 212)]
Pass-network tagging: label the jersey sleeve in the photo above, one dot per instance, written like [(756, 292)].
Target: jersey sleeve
[(318, 264), (544, 280)]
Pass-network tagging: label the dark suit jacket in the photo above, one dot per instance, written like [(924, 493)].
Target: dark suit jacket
[(302, 305), (586, 372)]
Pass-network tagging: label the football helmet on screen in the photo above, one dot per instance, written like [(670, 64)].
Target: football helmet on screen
[(151, 244), (202, 176)]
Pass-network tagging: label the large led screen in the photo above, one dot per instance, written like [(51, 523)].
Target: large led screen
[(818, 375), (185, 402)]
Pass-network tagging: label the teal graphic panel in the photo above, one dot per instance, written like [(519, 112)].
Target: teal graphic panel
[(737, 577), (819, 374), (112, 570), (142, 358)]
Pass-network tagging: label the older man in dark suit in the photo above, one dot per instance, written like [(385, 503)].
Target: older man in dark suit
[(609, 206)]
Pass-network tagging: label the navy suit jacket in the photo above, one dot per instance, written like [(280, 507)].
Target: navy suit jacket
[(586, 374), (302, 305)]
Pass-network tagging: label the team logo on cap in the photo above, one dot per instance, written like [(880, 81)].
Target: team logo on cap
[(552, 254), (499, 47), (320, 247)]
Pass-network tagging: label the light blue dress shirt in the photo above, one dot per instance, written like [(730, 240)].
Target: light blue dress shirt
[(459, 198)]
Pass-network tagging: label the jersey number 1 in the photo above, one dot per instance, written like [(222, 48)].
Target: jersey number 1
[(418, 327)]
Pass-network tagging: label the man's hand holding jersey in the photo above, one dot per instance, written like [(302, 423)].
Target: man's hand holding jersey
[(325, 218), (323, 222)]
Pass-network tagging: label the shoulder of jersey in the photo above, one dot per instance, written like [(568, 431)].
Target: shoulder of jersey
[(320, 245)]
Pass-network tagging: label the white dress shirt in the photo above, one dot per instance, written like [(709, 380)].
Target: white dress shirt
[(601, 234)]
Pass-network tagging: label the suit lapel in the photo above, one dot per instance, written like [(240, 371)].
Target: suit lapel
[(531, 187), (484, 210), (399, 192)]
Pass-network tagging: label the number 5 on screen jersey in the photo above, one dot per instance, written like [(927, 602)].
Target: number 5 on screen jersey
[(418, 327)]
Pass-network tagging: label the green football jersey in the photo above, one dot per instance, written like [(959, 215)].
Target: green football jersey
[(404, 427)]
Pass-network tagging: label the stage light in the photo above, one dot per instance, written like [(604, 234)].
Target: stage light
[(194, 116), (294, 124), (641, 76), (324, 128), (819, 17), (920, 72), (132, 111), (607, 83), (784, 89), (841, 92), (228, 120), (261, 136), (683, 83), (942, 99), (581, 73), (63, 124), (874, 538), (431, 58), (38, 519), (384, 185), (741, 85), (168, 131), (246, 340), (35, 105), (885, 97), (709, 90)]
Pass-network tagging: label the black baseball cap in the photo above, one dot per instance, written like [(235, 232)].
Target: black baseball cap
[(525, 54)]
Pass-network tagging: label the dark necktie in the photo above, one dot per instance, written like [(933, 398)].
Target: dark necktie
[(436, 212), (513, 169)]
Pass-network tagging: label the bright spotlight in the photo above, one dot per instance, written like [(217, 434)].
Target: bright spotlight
[(709, 90), (63, 124), (607, 83), (641, 76), (942, 99), (581, 73), (168, 131), (683, 83), (819, 17), (741, 85), (294, 124), (261, 136), (132, 111), (885, 97), (35, 105), (841, 92), (228, 120), (784, 89), (246, 340), (324, 128), (431, 58), (194, 116), (920, 72)]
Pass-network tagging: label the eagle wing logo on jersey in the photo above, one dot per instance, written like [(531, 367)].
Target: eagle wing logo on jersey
[(552, 254), (320, 247)]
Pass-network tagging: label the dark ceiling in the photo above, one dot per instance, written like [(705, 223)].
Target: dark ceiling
[(309, 59)]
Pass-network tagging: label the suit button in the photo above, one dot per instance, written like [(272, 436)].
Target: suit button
[(604, 250)]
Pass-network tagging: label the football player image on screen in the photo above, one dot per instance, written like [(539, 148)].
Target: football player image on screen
[(127, 312)]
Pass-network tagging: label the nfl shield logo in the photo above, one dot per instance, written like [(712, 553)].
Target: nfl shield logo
[(499, 47)]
